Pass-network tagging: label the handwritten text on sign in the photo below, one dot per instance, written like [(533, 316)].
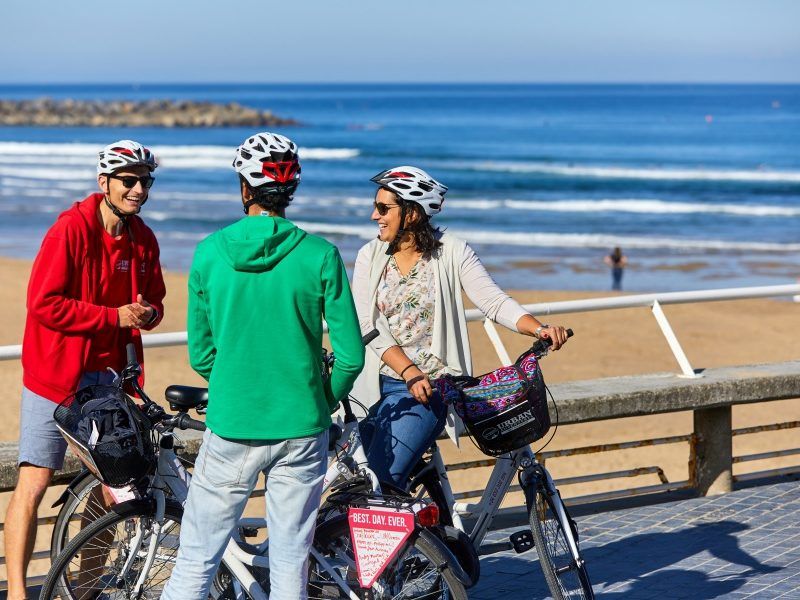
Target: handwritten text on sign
[(377, 534)]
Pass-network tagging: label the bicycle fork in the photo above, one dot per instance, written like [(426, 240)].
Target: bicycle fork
[(535, 476)]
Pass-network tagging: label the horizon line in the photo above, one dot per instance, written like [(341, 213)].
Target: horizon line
[(399, 84)]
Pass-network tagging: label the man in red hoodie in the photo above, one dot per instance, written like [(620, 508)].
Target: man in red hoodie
[(94, 284)]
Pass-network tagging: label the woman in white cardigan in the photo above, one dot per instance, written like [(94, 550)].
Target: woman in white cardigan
[(407, 284)]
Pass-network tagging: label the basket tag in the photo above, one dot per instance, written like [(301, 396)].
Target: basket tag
[(94, 436), (122, 494), (377, 535)]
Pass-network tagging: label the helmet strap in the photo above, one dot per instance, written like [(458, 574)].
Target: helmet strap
[(255, 200), (248, 204), (123, 217), (117, 212), (392, 248)]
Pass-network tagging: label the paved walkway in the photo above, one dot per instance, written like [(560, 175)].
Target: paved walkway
[(745, 544)]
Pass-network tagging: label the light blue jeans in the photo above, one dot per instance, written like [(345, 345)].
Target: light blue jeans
[(224, 476)]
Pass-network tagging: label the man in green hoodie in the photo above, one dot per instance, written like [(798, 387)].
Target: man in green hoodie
[(258, 292)]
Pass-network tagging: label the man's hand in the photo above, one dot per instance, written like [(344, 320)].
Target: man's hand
[(150, 310), (136, 315)]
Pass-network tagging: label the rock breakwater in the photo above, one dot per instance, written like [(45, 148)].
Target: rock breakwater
[(48, 112)]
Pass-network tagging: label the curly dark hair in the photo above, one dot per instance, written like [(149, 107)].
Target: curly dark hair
[(426, 237), (267, 198)]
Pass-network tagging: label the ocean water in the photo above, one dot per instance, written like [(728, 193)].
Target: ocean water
[(700, 185)]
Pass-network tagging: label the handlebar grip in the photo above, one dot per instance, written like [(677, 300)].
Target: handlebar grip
[(131, 351), (370, 336), (187, 422), (543, 344)]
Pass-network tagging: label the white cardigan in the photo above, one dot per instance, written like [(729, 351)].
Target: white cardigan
[(456, 267)]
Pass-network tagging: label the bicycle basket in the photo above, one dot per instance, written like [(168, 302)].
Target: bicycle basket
[(503, 410), (108, 433)]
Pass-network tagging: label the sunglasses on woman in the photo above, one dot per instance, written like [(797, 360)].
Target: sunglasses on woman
[(130, 180), (383, 208)]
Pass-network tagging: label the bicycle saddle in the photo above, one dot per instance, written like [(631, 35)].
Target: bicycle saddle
[(184, 397)]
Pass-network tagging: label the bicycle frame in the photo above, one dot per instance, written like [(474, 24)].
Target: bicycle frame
[(171, 476)]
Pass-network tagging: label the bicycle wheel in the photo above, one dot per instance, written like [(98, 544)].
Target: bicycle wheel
[(418, 571), (106, 559), (80, 508), (566, 577)]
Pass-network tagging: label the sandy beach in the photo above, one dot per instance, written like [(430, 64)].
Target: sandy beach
[(608, 343)]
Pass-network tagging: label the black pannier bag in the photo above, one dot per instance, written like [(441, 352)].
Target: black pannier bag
[(108, 432), (503, 410)]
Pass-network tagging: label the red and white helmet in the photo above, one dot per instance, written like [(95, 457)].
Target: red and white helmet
[(124, 153), (269, 159), (413, 185)]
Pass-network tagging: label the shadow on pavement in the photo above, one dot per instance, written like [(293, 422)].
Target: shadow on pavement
[(645, 564)]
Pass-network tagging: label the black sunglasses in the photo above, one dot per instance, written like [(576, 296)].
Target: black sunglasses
[(383, 208), (130, 180)]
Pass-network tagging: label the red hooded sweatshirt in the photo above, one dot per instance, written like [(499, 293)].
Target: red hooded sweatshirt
[(64, 315)]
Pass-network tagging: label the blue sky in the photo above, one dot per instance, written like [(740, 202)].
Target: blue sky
[(414, 41)]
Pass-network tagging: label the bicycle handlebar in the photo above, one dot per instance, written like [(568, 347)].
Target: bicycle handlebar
[(370, 336), (540, 347), (184, 421), (151, 409), (131, 352)]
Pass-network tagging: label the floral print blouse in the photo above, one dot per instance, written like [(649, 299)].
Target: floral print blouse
[(407, 302)]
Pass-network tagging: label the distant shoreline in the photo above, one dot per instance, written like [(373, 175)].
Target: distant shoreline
[(49, 112)]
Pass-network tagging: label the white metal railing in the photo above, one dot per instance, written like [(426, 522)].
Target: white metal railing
[(654, 301)]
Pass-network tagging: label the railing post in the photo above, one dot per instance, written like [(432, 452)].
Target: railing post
[(499, 347), (672, 340), (713, 465)]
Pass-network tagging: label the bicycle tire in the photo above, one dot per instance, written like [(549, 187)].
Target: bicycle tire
[(64, 583), (567, 579), (75, 502), (420, 571), (67, 526)]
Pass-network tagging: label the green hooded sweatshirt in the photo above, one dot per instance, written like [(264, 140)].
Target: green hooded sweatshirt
[(258, 291)]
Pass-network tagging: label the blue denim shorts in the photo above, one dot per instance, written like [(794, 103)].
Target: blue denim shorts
[(40, 441)]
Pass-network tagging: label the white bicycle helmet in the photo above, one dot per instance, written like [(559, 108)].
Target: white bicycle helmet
[(413, 185), (124, 153), (269, 159)]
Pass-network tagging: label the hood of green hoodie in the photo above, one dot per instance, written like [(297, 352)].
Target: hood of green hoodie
[(257, 244)]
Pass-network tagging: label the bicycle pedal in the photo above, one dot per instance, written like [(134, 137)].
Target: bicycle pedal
[(522, 541)]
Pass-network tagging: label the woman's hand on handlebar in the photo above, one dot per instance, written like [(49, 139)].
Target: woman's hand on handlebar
[(556, 333)]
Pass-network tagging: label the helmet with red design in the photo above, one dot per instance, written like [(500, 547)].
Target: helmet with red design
[(413, 185), (268, 162), (122, 154)]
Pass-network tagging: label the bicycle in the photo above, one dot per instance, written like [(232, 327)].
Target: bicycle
[(129, 552), (553, 532), (80, 501)]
